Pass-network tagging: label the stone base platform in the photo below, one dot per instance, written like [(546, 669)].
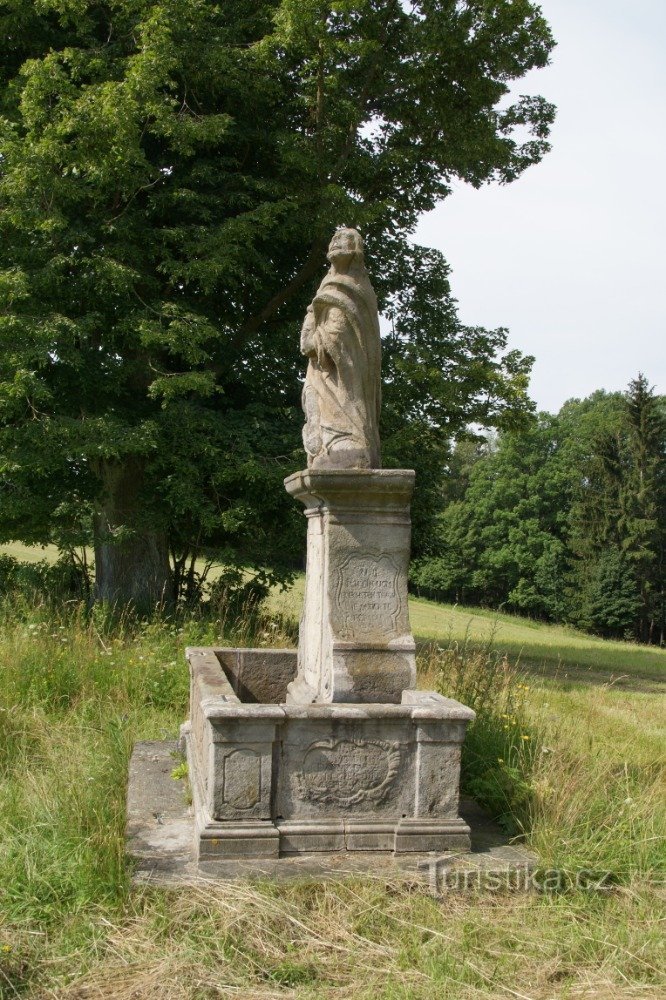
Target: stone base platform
[(161, 843)]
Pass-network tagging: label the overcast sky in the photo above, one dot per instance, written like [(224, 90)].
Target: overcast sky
[(570, 257)]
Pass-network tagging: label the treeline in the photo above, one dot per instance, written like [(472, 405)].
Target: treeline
[(564, 521)]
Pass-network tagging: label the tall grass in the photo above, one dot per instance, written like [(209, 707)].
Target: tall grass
[(504, 741), (579, 801), (76, 690)]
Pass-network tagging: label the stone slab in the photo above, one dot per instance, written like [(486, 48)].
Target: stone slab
[(161, 837)]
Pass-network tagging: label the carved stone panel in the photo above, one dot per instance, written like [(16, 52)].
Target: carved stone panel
[(242, 782), (367, 597), (349, 772), (330, 768), (242, 779), (438, 778)]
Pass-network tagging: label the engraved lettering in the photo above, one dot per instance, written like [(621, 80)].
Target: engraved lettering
[(367, 596)]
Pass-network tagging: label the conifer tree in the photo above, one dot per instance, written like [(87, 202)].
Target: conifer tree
[(642, 502)]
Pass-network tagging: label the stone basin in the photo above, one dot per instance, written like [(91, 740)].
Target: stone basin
[(270, 778)]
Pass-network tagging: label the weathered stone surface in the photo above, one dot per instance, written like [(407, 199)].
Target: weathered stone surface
[(417, 834), (259, 675), (355, 641), (331, 776), (340, 337), (237, 840), (162, 843), (160, 822), (344, 768), (242, 780), (311, 836)]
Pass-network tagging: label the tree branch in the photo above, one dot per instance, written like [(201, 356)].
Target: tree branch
[(312, 264), (316, 255)]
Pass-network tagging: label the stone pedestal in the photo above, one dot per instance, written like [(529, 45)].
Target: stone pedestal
[(330, 748), (355, 642), (271, 779)]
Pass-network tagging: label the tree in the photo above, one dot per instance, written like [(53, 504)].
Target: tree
[(503, 542), (170, 174), (618, 516), (644, 504), (610, 602), (564, 519)]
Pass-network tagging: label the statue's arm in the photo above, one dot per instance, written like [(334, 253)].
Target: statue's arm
[(333, 327), (326, 340), (308, 334)]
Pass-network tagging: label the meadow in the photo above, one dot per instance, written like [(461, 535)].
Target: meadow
[(553, 650), (571, 766)]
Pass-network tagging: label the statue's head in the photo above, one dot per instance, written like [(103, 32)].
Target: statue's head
[(345, 245)]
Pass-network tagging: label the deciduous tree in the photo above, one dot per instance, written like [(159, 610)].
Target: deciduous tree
[(170, 174)]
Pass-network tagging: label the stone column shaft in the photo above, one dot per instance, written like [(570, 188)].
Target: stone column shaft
[(355, 641)]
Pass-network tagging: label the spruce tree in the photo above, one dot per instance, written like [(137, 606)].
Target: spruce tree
[(642, 504)]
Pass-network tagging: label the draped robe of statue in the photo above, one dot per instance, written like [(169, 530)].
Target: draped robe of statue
[(342, 391)]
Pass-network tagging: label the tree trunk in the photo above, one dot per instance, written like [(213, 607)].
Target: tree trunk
[(131, 558)]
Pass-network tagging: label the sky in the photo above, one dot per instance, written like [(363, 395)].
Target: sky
[(571, 256)]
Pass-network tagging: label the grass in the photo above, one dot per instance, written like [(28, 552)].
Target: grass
[(29, 553), (371, 941), (537, 644), (548, 649), (586, 787)]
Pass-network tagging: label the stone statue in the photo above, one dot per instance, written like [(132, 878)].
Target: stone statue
[(340, 337)]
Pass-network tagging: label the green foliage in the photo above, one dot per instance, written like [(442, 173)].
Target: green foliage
[(502, 743), (622, 510), (180, 771), (610, 600), (503, 543), (54, 582), (565, 520), (170, 174)]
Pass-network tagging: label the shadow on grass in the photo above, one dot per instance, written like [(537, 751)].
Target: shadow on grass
[(570, 675)]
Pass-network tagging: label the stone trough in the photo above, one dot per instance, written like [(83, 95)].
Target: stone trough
[(271, 779)]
